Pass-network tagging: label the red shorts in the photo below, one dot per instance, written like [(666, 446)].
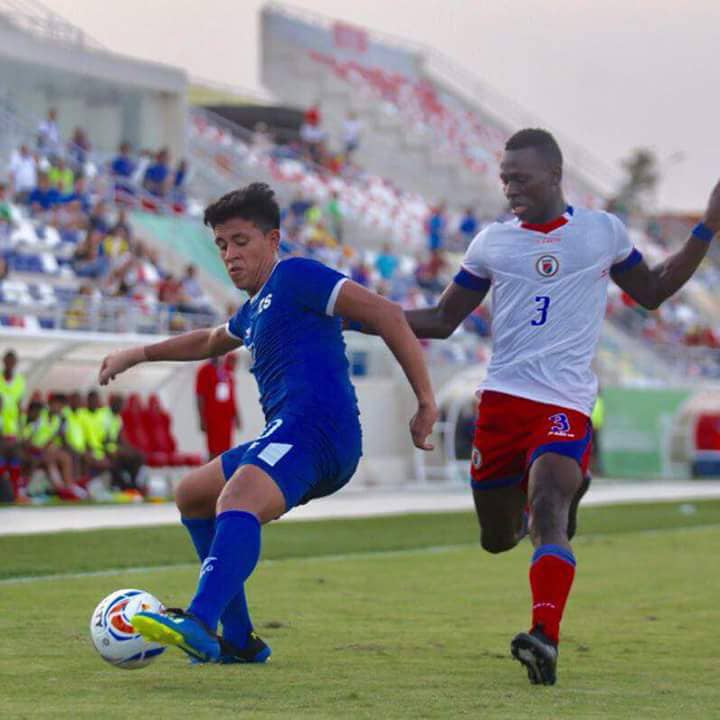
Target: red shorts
[(512, 431)]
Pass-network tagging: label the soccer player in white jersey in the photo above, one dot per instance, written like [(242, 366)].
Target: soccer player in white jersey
[(548, 271)]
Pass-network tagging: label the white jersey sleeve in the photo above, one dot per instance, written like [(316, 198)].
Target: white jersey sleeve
[(474, 273)]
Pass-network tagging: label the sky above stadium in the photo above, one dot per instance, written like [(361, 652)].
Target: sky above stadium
[(611, 75)]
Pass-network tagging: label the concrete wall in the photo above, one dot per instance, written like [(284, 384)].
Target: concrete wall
[(111, 96)]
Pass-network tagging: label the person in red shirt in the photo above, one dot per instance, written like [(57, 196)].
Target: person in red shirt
[(217, 409)]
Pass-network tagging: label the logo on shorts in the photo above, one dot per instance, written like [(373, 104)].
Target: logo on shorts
[(560, 425), (547, 265), (476, 458)]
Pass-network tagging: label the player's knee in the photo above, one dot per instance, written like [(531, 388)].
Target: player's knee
[(494, 543), (192, 498)]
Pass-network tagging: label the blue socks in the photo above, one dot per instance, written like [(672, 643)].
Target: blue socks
[(243, 551)]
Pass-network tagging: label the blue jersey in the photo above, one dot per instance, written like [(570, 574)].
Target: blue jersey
[(297, 347)]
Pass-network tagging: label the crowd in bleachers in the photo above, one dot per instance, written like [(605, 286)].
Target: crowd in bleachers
[(66, 241), (67, 247)]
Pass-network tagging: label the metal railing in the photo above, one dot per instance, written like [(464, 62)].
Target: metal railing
[(108, 315)]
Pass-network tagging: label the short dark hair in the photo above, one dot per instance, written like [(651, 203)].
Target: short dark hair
[(539, 139), (255, 203)]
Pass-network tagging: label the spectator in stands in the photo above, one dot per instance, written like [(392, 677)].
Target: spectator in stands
[(195, 298), (98, 219), (88, 260), (4, 268), (78, 150), (360, 273), (157, 175), (436, 226), (386, 262), (334, 214), (6, 215), (115, 245), (76, 205), (61, 177), (44, 198), (48, 136), (179, 184), (430, 275), (299, 206), (312, 115), (216, 406), (312, 135), (122, 170), (78, 311), (23, 174), (469, 227), (122, 223), (351, 130), (170, 291)]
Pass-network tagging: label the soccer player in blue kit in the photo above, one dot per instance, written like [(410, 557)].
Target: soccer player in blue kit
[(311, 444)]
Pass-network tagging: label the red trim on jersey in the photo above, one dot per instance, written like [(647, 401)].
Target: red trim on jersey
[(545, 227)]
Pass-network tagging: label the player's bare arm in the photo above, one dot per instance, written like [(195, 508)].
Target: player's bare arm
[(652, 286), (440, 321), (195, 345), (359, 305)]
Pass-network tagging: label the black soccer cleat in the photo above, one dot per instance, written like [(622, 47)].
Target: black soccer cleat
[(572, 514), (538, 654), (255, 651)]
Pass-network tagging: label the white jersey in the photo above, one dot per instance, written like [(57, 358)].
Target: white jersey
[(549, 292)]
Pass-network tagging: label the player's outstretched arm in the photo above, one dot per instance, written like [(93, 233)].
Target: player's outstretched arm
[(652, 286), (195, 345), (359, 305), (440, 321)]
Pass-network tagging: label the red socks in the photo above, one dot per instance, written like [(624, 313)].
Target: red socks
[(551, 575)]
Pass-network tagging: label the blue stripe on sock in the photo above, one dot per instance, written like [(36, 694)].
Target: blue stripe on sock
[(557, 551)]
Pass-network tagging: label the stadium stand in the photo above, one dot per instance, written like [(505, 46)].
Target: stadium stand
[(391, 173)]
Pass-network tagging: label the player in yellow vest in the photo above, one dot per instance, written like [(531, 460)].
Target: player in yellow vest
[(39, 431), (12, 392)]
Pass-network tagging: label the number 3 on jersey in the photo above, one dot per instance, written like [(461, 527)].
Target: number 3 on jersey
[(543, 303)]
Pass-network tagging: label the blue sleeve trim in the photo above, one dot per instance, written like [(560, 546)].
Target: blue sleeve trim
[(471, 282), (557, 551), (629, 262)]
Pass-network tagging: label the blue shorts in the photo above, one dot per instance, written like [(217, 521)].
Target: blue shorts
[(305, 460)]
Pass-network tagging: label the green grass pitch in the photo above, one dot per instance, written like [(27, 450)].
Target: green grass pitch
[(401, 617)]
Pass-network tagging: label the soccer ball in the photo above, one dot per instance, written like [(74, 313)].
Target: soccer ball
[(115, 638)]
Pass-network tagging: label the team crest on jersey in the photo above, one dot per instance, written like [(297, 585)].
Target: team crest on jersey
[(547, 265), (476, 458)]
